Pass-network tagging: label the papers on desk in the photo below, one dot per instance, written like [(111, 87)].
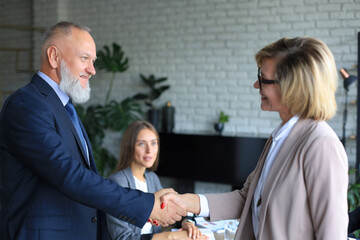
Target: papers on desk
[(207, 232), (218, 226), (213, 226), (204, 231)]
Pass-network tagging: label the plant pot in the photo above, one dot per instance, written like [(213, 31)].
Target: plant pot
[(219, 127), (154, 117), (168, 118)]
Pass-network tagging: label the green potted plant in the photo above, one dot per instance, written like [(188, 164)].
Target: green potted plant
[(219, 125), (113, 115), (353, 195), (113, 62), (155, 92)]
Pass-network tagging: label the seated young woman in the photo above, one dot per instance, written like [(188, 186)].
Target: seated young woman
[(139, 158)]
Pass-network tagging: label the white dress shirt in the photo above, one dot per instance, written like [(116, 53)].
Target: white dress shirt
[(142, 186), (64, 98)]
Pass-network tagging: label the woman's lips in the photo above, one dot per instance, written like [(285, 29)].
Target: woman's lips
[(147, 158)]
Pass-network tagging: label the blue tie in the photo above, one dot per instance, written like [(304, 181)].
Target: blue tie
[(74, 118)]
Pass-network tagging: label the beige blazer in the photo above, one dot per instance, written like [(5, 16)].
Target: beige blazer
[(305, 195)]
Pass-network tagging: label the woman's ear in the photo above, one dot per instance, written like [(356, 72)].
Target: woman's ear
[(52, 54)]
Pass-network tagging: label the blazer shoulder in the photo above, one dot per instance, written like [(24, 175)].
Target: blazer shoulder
[(25, 94), (153, 181), (312, 130), (120, 178), (151, 175), (315, 137), (33, 96)]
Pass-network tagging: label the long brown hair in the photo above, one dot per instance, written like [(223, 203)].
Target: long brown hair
[(128, 141)]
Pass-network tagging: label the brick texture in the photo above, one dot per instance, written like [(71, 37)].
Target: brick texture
[(206, 49)]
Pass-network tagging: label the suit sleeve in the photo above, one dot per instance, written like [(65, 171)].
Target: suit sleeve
[(31, 132), (326, 179)]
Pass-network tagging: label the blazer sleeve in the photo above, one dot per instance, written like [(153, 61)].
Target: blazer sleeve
[(228, 205), (30, 130), (326, 179)]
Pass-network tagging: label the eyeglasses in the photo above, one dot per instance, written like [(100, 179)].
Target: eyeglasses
[(264, 81)]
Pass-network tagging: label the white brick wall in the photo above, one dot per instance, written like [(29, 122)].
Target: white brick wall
[(12, 76), (206, 49)]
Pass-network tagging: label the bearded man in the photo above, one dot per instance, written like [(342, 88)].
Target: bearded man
[(49, 185)]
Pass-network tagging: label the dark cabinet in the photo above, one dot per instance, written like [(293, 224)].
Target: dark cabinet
[(209, 158)]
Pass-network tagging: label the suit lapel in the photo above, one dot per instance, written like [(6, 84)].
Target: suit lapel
[(87, 140), (59, 109)]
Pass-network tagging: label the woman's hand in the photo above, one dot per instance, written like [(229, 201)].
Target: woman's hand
[(167, 211), (179, 235), (193, 231)]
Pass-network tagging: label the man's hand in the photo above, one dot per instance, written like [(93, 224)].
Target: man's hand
[(169, 211)]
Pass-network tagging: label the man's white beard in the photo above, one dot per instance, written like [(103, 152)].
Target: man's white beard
[(71, 85)]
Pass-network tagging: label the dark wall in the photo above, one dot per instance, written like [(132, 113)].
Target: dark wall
[(209, 158)]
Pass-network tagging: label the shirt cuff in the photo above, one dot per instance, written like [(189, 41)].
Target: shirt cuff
[(204, 206)]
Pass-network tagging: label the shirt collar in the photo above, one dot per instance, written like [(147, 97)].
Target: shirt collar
[(64, 98), (283, 130)]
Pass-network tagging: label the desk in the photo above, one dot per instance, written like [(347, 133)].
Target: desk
[(219, 236)]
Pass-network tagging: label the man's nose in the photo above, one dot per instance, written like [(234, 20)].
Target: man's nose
[(91, 69)]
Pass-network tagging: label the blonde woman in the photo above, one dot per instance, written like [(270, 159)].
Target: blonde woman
[(298, 189)]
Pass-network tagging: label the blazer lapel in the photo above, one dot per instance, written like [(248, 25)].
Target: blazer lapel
[(245, 230), (130, 178), (59, 109), (150, 184), (286, 151)]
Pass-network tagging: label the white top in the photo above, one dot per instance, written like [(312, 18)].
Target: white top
[(204, 206), (279, 135), (142, 186)]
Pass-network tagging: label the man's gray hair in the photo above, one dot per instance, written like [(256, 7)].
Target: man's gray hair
[(64, 27)]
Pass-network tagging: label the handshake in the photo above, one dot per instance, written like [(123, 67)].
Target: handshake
[(170, 206)]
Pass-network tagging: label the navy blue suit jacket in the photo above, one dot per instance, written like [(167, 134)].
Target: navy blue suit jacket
[(47, 189)]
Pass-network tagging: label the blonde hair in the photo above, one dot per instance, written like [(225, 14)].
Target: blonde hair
[(128, 141), (307, 76)]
